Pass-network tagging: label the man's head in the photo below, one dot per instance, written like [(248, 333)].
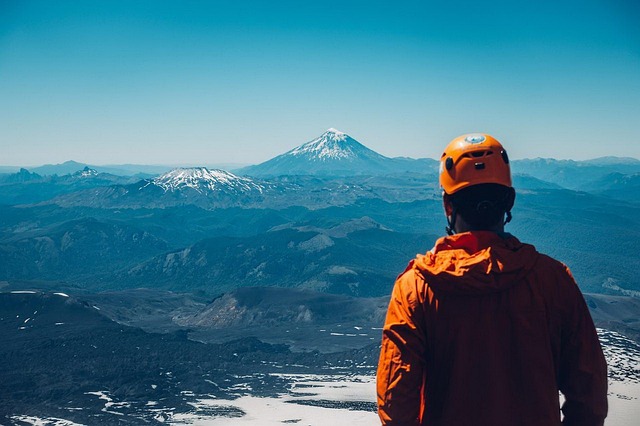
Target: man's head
[(475, 177)]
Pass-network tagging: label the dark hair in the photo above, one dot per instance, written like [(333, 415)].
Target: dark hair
[(483, 206)]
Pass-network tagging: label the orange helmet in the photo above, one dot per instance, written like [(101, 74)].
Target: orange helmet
[(473, 159)]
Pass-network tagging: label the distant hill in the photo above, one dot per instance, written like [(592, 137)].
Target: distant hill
[(359, 258), (78, 248)]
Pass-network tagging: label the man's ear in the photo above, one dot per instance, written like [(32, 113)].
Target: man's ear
[(446, 202)]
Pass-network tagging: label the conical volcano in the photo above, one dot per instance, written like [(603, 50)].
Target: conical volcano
[(333, 153)]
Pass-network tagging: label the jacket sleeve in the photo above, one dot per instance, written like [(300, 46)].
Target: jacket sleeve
[(400, 375), (583, 368)]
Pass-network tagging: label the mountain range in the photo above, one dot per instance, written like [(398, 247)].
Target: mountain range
[(335, 153), (170, 230)]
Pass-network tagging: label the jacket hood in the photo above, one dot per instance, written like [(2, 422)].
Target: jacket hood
[(476, 263)]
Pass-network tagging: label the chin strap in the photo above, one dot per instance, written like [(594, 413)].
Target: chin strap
[(508, 218), (451, 222)]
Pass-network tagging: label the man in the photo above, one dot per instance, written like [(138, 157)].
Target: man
[(483, 329)]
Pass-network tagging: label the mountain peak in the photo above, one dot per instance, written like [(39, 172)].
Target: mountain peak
[(334, 153), (203, 179), (332, 145), (86, 172), (335, 134)]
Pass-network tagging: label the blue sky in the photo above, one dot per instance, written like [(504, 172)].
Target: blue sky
[(195, 82)]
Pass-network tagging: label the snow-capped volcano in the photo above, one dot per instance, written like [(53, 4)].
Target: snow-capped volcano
[(333, 145), (204, 180), (332, 153)]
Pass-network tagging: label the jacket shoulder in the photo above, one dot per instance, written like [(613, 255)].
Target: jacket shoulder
[(551, 265)]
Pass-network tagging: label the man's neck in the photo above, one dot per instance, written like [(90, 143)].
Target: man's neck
[(463, 226)]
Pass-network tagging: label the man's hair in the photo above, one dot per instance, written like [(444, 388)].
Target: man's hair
[(483, 206)]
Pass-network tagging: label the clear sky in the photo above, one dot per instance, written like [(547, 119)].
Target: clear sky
[(206, 82)]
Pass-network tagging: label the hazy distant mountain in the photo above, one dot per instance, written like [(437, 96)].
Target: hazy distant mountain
[(615, 161), (141, 170), (527, 182), (9, 169), (27, 187), (70, 167), (66, 168), (337, 154), (575, 174), (22, 176), (617, 185)]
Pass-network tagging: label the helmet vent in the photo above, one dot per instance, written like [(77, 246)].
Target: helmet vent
[(449, 163), (479, 166), (505, 157), (477, 154)]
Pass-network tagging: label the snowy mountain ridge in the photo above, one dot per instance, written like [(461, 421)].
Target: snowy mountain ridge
[(87, 172), (202, 180)]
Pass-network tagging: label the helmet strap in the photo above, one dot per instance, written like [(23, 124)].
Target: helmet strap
[(451, 221), (508, 218)]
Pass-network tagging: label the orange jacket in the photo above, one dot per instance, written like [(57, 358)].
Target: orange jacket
[(484, 330)]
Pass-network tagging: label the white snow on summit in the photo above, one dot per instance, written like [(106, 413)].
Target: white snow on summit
[(332, 144), (336, 134), (86, 173), (202, 179), (334, 153)]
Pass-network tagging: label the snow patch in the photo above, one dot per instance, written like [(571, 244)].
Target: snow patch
[(291, 408), (44, 421), (341, 270)]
